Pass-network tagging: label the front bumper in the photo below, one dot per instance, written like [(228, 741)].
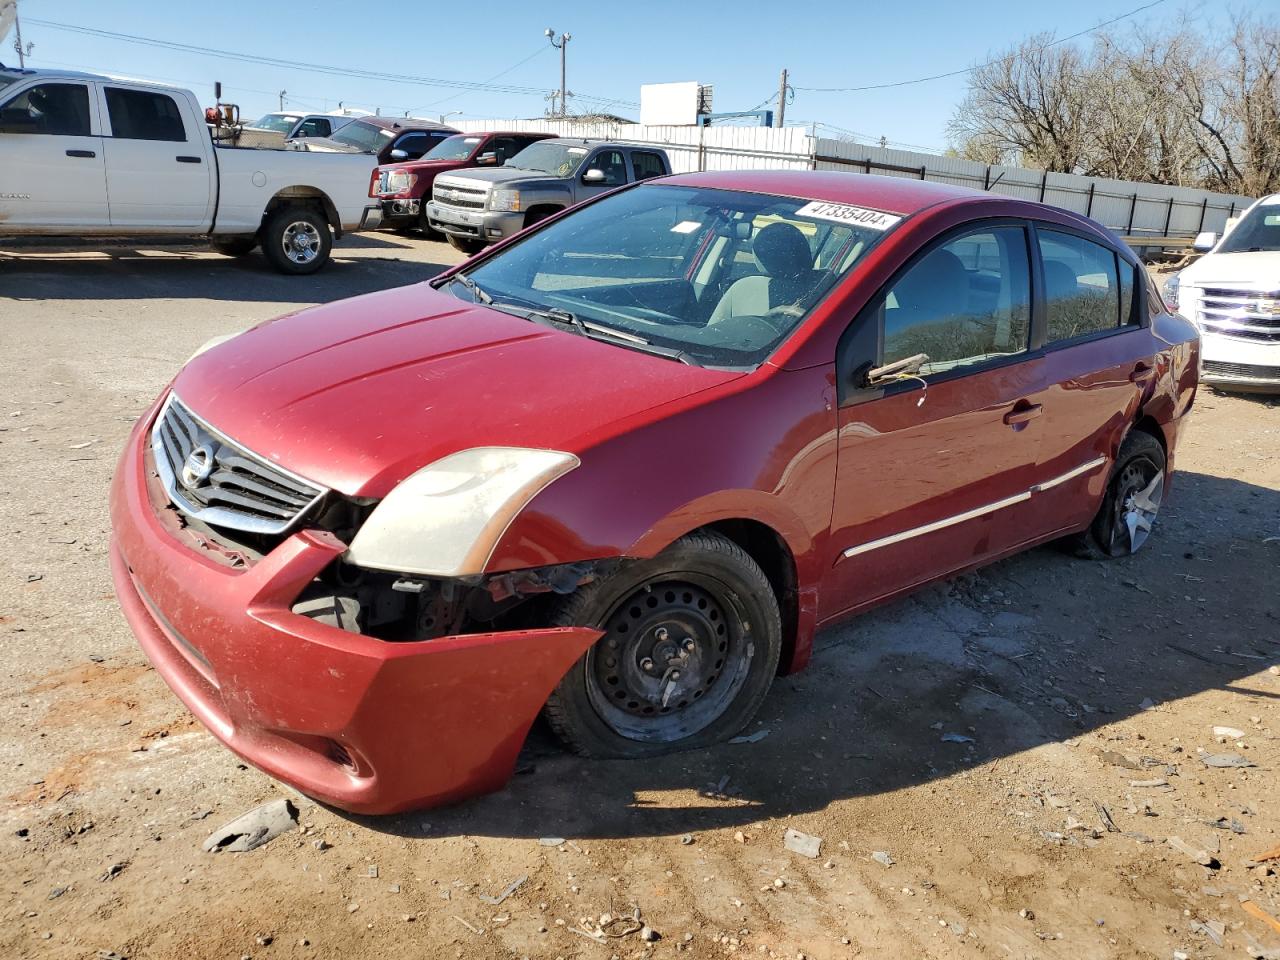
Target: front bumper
[(400, 211), (1237, 363), (487, 225), (359, 723)]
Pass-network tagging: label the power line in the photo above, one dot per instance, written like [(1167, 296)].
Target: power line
[(502, 73), (466, 85), (956, 73)]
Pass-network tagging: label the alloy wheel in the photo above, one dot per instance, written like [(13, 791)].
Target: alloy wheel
[(301, 242)]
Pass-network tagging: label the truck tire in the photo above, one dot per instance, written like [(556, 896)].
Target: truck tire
[(467, 245), (296, 240), (233, 246)]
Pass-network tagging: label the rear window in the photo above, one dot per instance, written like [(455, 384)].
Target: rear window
[(141, 115), (647, 164)]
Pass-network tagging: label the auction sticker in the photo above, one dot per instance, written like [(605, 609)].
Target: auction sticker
[(852, 216)]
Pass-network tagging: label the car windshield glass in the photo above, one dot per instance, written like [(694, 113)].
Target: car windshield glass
[(363, 136), (1257, 230), (716, 276), (278, 122), (457, 147), (560, 159)]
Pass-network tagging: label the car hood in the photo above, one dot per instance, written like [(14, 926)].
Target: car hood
[(358, 394), (495, 175), (1260, 270)]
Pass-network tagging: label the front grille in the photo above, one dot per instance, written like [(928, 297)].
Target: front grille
[(1247, 314), (212, 478), (459, 197), (1244, 371)]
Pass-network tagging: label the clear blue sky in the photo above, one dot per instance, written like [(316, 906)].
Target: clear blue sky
[(738, 47)]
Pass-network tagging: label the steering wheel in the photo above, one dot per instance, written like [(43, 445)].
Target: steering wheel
[(781, 319)]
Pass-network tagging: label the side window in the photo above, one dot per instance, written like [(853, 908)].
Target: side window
[(1081, 288), (414, 144), (313, 127), (140, 115), (505, 147), (610, 162), (647, 164), (964, 303), (56, 109), (1127, 285)]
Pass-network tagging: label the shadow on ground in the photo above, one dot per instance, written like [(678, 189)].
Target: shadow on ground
[(1036, 649)]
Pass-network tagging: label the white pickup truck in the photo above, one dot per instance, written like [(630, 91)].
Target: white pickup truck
[(91, 155)]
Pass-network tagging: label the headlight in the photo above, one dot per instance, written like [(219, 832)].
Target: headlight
[(1171, 291), (507, 201), (445, 520), (399, 181)]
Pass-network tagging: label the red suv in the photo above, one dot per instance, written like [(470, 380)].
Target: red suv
[(620, 467), (405, 187)]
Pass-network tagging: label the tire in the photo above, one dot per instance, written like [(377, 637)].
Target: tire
[(619, 700), (424, 227), (466, 245), (233, 246), (296, 240), (1131, 503)]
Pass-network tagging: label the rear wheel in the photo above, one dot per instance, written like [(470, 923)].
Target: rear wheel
[(466, 245), (1132, 501), (296, 240), (691, 643)]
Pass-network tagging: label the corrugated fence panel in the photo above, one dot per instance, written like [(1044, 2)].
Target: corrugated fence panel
[(1142, 209)]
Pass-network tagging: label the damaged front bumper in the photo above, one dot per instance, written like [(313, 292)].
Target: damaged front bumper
[(360, 723)]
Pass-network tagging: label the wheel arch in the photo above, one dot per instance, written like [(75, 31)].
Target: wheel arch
[(308, 196)]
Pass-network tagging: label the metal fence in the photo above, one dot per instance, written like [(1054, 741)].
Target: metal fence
[(1134, 210)]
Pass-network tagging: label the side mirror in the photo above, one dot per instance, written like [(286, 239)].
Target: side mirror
[(594, 175), (487, 159), (1204, 242), (398, 154)]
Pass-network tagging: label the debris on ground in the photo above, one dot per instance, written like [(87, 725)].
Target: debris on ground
[(1273, 854), (1251, 908), (750, 737), (251, 830), (1199, 854), (1225, 760), (1213, 929), (957, 738), (802, 843), (608, 927), (507, 891), (1230, 733), (550, 841), (882, 857), (114, 870)]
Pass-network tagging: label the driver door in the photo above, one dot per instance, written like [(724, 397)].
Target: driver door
[(612, 167), (934, 471)]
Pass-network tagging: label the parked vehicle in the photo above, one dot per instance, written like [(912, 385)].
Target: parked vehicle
[(93, 155), (401, 187), (620, 467), (301, 125), (390, 140), (1233, 295), (483, 206)]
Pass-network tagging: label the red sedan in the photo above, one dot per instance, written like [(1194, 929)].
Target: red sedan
[(621, 467)]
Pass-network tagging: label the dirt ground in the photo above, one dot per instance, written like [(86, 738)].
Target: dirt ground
[(1090, 691)]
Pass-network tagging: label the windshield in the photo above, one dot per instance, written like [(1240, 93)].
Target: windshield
[(1258, 230), (281, 123), (718, 276), (559, 159), (457, 147), (367, 137)]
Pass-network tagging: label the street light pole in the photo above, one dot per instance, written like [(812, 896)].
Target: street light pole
[(560, 43)]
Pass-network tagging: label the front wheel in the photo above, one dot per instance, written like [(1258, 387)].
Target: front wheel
[(1132, 501), (691, 644), (466, 245), (296, 240)]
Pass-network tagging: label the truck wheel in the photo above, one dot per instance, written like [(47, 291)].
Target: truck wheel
[(296, 240), (466, 245), (691, 644), (1131, 503), (233, 246), (424, 227)]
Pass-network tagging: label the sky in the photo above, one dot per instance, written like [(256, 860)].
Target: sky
[(740, 48)]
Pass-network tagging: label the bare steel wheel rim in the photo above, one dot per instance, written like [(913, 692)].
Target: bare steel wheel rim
[(301, 241), (674, 655), (1139, 492)]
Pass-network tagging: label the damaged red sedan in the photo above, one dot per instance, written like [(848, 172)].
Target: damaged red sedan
[(621, 467)]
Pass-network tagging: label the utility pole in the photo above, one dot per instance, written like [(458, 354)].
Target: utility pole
[(561, 43), (782, 98), (23, 52), (282, 93)]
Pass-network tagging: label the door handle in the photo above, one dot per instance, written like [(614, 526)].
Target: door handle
[(182, 159), (1023, 413), (1142, 374), (86, 154)]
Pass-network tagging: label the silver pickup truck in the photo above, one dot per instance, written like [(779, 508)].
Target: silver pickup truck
[(478, 207)]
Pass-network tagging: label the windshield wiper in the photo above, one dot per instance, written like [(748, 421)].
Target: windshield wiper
[(476, 293), (599, 331)]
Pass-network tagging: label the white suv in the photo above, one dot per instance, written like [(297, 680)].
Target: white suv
[(1233, 295)]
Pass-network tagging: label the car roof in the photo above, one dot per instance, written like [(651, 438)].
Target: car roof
[(892, 194), (54, 75), (405, 123)]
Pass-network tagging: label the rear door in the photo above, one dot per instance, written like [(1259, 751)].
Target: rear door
[(934, 471), (52, 172), (157, 175), (1102, 363)]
